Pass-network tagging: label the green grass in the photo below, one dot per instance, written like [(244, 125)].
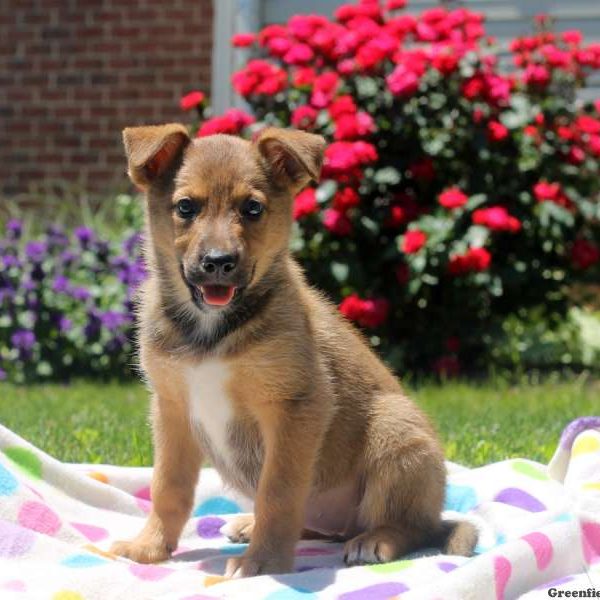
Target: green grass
[(479, 423)]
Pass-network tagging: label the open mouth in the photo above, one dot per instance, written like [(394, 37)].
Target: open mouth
[(217, 295)]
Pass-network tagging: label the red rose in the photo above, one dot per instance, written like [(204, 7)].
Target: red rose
[(305, 203), (298, 54), (403, 82), (337, 222), (475, 259), (452, 198), (413, 241), (367, 313), (587, 124), (576, 155), (544, 191), (304, 77), (232, 122), (395, 4), (584, 254), (537, 75), (496, 131), (350, 127), (191, 100), (324, 89), (572, 37), (345, 199), (342, 105), (496, 218), (304, 117), (243, 40), (259, 77)]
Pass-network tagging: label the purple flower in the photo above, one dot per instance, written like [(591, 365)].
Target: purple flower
[(67, 257), (85, 235), (56, 236), (37, 273), (61, 284), (23, 339), (64, 324), (29, 285), (10, 261), (14, 229), (132, 243), (81, 294), (111, 319), (116, 344), (2, 374), (6, 293), (35, 251)]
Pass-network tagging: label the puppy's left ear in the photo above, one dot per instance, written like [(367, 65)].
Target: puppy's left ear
[(294, 156)]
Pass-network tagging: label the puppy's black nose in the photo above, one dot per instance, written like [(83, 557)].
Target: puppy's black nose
[(219, 263)]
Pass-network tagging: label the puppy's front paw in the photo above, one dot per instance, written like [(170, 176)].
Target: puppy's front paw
[(239, 530), (249, 565), (141, 551)]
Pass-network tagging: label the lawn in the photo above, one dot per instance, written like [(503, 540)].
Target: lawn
[(479, 423)]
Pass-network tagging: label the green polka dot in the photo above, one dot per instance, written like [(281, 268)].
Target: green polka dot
[(529, 470), (392, 567), (26, 460)]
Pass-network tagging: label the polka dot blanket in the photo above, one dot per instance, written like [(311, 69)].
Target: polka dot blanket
[(539, 535)]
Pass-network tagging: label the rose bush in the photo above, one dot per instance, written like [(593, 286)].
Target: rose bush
[(454, 190)]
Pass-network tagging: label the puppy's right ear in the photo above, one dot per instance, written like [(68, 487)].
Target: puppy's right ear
[(152, 150)]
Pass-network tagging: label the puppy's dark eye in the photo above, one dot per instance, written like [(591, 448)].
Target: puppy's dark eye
[(186, 208), (252, 209)]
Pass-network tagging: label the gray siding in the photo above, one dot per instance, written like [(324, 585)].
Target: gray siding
[(505, 19)]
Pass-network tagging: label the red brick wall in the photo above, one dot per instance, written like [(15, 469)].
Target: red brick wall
[(73, 73)]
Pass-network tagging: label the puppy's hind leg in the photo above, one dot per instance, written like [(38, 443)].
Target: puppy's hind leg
[(404, 485)]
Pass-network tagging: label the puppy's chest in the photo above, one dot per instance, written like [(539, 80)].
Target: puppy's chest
[(233, 444)]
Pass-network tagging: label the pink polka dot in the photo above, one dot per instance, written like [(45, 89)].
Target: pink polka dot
[(14, 585), (91, 532), (144, 505), (502, 572), (591, 541), (542, 548), (143, 493), (149, 572), (39, 517)]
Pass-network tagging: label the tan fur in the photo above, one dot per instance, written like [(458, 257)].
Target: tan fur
[(314, 408)]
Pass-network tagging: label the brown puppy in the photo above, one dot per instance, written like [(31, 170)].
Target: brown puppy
[(256, 370)]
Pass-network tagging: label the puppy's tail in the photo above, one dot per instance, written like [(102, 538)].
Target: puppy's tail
[(457, 537)]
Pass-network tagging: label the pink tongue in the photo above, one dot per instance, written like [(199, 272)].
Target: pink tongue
[(217, 295)]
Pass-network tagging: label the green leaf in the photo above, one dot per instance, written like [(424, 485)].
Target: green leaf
[(340, 271), (388, 176)]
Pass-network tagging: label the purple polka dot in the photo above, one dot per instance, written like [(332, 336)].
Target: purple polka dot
[(520, 499), (14, 540), (208, 527), (313, 551), (447, 566), (376, 592)]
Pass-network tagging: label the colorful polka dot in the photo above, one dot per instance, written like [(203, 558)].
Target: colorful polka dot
[(214, 579), (26, 460), (209, 527), (91, 532), (591, 485), (520, 499), (82, 561), (8, 484), (144, 505), (528, 469), (585, 443), (591, 541), (461, 498), (502, 572), (447, 566), (99, 552), (217, 506), (542, 548), (14, 540), (14, 585), (143, 493), (291, 593), (149, 572), (391, 567), (67, 595), (39, 517), (379, 590), (233, 549), (101, 477)]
